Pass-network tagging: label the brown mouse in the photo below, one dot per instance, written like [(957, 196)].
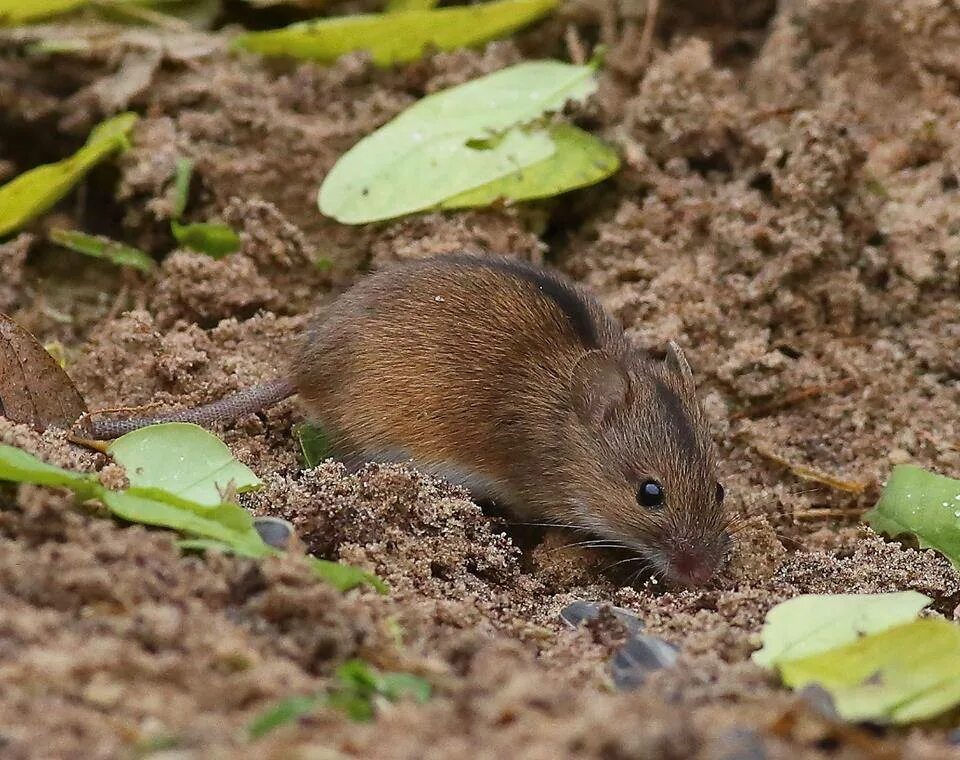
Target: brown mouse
[(517, 384)]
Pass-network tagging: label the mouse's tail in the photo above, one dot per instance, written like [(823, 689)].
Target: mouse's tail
[(103, 425)]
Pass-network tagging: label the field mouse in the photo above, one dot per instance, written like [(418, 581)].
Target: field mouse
[(514, 382)]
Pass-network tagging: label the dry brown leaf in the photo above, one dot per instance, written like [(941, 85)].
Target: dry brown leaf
[(34, 389)]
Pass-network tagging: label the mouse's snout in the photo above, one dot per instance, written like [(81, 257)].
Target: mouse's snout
[(689, 567), (693, 562)]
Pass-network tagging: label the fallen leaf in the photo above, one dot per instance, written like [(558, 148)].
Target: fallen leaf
[(314, 443), (14, 12), (345, 577), (453, 141), (183, 174), (397, 6), (284, 712), (580, 160), (104, 248), (34, 389), (212, 238), (921, 503), (228, 523), (32, 193), (358, 684), (813, 623), (223, 526), (397, 36), (20, 467), (184, 460), (904, 674)]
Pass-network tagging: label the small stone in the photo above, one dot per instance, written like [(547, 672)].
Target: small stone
[(642, 654), (274, 531), (582, 611)]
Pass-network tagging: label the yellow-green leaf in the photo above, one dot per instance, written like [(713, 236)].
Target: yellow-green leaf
[(345, 577), (907, 673), (452, 142), (223, 525), (399, 36), (184, 460), (922, 503), (20, 467), (36, 191), (812, 623), (225, 522), (212, 238), (14, 12), (580, 159), (104, 248), (396, 6), (285, 711)]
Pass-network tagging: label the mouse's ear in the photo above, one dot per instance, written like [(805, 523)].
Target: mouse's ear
[(599, 384), (677, 362)]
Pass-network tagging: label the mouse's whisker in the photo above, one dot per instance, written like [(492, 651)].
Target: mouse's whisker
[(626, 561), (594, 544)]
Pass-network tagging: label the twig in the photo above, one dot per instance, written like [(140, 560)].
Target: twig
[(574, 45), (811, 473), (823, 513), (793, 397), (649, 27)]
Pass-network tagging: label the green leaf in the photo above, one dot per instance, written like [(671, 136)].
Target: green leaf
[(184, 460), (360, 683), (395, 686), (580, 160), (400, 36), (14, 12), (19, 466), (285, 711), (104, 248), (358, 676), (398, 6), (314, 443), (181, 186), (32, 193), (812, 623), (174, 475), (214, 239), (907, 673), (345, 577), (452, 142), (924, 504), (221, 523), (204, 545)]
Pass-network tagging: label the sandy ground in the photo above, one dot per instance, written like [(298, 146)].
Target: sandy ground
[(787, 210)]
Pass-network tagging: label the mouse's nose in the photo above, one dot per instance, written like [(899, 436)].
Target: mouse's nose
[(690, 568)]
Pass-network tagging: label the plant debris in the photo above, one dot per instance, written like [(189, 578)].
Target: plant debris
[(34, 388)]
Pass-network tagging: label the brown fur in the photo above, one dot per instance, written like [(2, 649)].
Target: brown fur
[(490, 375)]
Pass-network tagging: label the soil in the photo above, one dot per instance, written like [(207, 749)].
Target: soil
[(787, 210)]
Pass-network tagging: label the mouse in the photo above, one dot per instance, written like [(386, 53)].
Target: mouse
[(511, 380)]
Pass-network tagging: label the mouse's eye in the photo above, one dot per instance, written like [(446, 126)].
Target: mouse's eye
[(720, 493), (650, 494)]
